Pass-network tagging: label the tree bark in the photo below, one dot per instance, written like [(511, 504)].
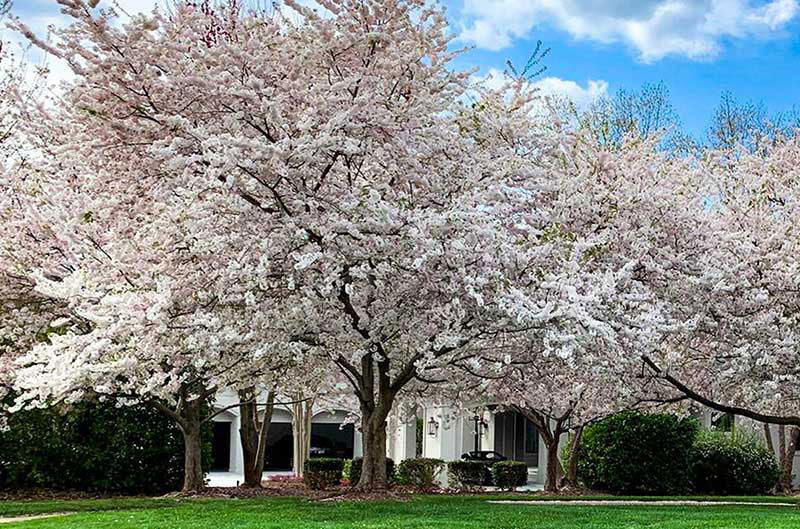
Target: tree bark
[(768, 439), (554, 469), (787, 448), (570, 478), (191, 426), (253, 435), (373, 469)]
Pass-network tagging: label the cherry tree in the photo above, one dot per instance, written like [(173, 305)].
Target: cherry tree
[(740, 353), (616, 210), (23, 314), (167, 279)]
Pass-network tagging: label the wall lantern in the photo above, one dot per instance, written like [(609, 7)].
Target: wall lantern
[(480, 425), (433, 427)]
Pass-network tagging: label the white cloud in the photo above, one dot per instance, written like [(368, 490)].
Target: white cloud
[(655, 28), (581, 96)]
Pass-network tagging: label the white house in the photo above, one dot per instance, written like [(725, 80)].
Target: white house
[(445, 435)]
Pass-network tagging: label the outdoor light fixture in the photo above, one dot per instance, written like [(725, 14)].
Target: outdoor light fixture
[(433, 427), (480, 425)]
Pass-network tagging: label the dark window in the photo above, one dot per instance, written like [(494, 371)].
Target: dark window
[(221, 447), (531, 438)]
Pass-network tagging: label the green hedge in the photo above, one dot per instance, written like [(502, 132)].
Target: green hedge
[(94, 447), (636, 453), (509, 475), (323, 473), (420, 473), (732, 463), (355, 470), (464, 474)]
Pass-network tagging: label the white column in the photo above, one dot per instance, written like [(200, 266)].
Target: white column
[(237, 458), (446, 441), (796, 471), (358, 447), (404, 440), (541, 473)]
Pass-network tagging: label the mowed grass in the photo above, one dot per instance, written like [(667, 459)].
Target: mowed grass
[(421, 512)]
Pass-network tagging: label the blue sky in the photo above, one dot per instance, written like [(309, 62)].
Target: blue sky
[(698, 48)]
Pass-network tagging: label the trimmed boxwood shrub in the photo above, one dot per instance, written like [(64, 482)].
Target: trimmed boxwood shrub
[(464, 474), (509, 475), (636, 453), (323, 473), (420, 473), (94, 447), (732, 463), (357, 463)]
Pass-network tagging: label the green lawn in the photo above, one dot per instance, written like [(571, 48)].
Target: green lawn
[(424, 511)]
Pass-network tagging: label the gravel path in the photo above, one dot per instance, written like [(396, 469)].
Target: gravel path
[(644, 502), (32, 517)]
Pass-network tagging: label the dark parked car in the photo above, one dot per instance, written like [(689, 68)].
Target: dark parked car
[(488, 458)]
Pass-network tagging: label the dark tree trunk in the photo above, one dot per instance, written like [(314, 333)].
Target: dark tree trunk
[(787, 449), (253, 435), (373, 470), (554, 470), (570, 478), (768, 439), (191, 426)]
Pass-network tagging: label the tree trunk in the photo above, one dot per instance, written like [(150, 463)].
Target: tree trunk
[(373, 469), (787, 448), (191, 427), (553, 464), (768, 439), (570, 478), (301, 432), (253, 435)]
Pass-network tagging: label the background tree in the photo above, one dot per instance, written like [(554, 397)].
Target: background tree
[(748, 125), (646, 113)]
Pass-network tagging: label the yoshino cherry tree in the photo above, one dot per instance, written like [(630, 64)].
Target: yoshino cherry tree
[(24, 315), (740, 353), (614, 208), (167, 279)]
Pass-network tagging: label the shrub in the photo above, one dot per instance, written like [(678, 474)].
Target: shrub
[(464, 474), (732, 463), (509, 475), (636, 453), (323, 473), (357, 463), (94, 447), (420, 473)]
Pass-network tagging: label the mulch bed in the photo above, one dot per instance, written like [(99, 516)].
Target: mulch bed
[(270, 489)]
